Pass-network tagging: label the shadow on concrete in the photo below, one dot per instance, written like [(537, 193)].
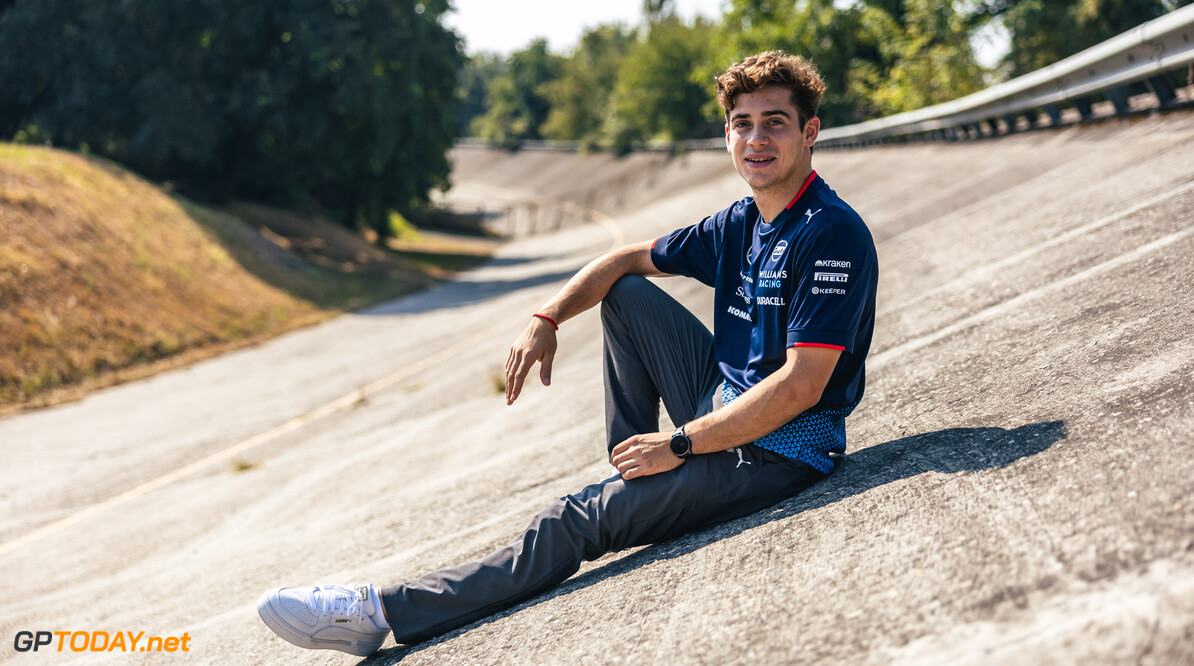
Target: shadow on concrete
[(494, 262), (947, 451), (462, 291)]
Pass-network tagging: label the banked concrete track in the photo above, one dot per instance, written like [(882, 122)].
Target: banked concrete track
[(1019, 487)]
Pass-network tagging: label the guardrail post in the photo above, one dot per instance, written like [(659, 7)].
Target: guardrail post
[(1083, 106), (1010, 121), (1054, 114), (1031, 117), (1163, 89), (1119, 100)]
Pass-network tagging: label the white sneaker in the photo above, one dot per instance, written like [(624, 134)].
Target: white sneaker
[(335, 617)]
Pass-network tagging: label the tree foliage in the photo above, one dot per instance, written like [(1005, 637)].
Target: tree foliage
[(582, 97), (345, 104), (476, 78), (925, 58), (659, 93), (621, 87), (350, 105), (517, 98), (1045, 31)]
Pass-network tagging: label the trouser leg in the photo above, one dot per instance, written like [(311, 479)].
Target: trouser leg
[(607, 516), (654, 348)]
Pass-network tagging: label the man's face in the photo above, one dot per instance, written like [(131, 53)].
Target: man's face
[(764, 137)]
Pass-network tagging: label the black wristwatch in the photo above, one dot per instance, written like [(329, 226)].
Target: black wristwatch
[(680, 444)]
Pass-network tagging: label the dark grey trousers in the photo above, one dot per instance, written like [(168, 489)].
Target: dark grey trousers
[(654, 349)]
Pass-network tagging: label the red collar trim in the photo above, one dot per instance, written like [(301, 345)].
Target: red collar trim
[(803, 187)]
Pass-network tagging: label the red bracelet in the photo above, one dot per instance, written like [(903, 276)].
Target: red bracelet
[(548, 320)]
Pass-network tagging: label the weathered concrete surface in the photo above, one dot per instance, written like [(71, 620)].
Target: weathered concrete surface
[(1018, 488)]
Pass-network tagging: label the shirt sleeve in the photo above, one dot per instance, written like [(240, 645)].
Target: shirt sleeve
[(692, 251), (834, 281)]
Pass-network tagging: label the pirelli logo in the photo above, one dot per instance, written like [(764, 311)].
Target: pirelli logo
[(831, 277)]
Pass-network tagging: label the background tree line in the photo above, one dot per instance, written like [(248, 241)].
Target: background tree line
[(348, 107), (624, 85)]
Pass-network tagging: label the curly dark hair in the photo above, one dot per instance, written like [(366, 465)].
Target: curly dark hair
[(773, 68)]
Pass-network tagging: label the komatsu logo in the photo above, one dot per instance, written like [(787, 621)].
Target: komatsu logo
[(830, 277)]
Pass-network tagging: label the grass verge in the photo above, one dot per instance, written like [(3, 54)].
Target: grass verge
[(105, 277)]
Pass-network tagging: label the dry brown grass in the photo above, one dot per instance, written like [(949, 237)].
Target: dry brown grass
[(105, 277)]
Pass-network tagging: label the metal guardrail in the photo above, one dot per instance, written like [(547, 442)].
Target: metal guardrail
[(1144, 53)]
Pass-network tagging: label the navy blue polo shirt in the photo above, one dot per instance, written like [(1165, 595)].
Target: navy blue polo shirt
[(806, 279)]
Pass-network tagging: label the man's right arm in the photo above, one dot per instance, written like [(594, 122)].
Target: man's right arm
[(537, 342)]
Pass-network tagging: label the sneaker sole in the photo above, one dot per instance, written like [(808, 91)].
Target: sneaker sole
[(274, 621)]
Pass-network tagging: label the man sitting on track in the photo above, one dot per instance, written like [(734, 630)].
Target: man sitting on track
[(761, 401)]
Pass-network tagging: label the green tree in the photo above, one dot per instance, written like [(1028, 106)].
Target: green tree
[(1045, 31), (660, 93), (925, 58), (348, 105), (476, 78), (581, 97), (518, 102)]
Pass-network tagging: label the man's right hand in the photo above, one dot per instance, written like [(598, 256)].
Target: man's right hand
[(536, 343)]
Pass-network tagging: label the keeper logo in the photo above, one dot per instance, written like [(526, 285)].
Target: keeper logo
[(828, 290)]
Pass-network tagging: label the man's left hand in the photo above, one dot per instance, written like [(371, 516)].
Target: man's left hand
[(643, 455)]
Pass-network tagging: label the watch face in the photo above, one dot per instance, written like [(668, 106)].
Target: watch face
[(680, 444)]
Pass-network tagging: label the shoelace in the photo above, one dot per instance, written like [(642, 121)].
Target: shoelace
[(331, 600)]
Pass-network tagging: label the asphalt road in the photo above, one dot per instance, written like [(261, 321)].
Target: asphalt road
[(1019, 487)]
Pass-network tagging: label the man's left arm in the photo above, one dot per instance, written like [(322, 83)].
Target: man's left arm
[(781, 397)]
